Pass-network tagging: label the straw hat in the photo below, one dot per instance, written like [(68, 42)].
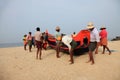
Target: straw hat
[(57, 28), (90, 25), (102, 28)]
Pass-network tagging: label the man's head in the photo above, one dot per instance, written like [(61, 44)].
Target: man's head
[(30, 33), (57, 28), (102, 28), (37, 29), (90, 26)]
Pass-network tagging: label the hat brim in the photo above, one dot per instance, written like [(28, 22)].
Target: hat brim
[(90, 27), (57, 29), (102, 28)]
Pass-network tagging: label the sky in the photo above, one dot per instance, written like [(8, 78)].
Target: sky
[(18, 17)]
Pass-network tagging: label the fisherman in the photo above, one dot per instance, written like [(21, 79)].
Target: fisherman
[(58, 41), (25, 41), (103, 39), (94, 41), (71, 44)]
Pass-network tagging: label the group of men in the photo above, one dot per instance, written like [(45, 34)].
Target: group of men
[(96, 39)]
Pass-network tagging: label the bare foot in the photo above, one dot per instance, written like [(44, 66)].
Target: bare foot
[(92, 63), (88, 61), (71, 62), (40, 58), (30, 51), (96, 53), (109, 53), (58, 56)]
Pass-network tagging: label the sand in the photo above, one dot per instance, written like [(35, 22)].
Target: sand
[(17, 64)]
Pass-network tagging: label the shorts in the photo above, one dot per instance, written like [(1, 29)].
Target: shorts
[(103, 41), (73, 44), (25, 43), (58, 43), (38, 44), (92, 46), (30, 42)]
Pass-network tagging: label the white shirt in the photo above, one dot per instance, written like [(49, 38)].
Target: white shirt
[(67, 40), (94, 36), (38, 35)]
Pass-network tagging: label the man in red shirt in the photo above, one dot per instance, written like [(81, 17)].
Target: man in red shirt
[(103, 39)]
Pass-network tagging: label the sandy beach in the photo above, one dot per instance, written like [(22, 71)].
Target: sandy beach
[(17, 64)]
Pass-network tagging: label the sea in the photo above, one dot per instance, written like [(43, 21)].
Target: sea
[(19, 44), (7, 45)]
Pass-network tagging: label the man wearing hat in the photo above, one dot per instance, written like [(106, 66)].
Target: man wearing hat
[(103, 39), (94, 41)]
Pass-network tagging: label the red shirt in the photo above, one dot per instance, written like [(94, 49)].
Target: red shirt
[(29, 37), (103, 33)]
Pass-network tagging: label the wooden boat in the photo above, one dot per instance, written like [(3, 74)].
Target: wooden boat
[(82, 39)]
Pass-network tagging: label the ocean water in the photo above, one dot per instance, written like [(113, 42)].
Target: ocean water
[(5, 45)]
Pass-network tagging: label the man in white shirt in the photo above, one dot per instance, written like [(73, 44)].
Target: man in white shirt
[(38, 42), (71, 44), (94, 41)]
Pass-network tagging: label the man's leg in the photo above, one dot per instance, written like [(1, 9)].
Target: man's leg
[(71, 56)]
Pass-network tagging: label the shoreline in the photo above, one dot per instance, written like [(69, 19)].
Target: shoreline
[(8, 45), (20, 44)]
